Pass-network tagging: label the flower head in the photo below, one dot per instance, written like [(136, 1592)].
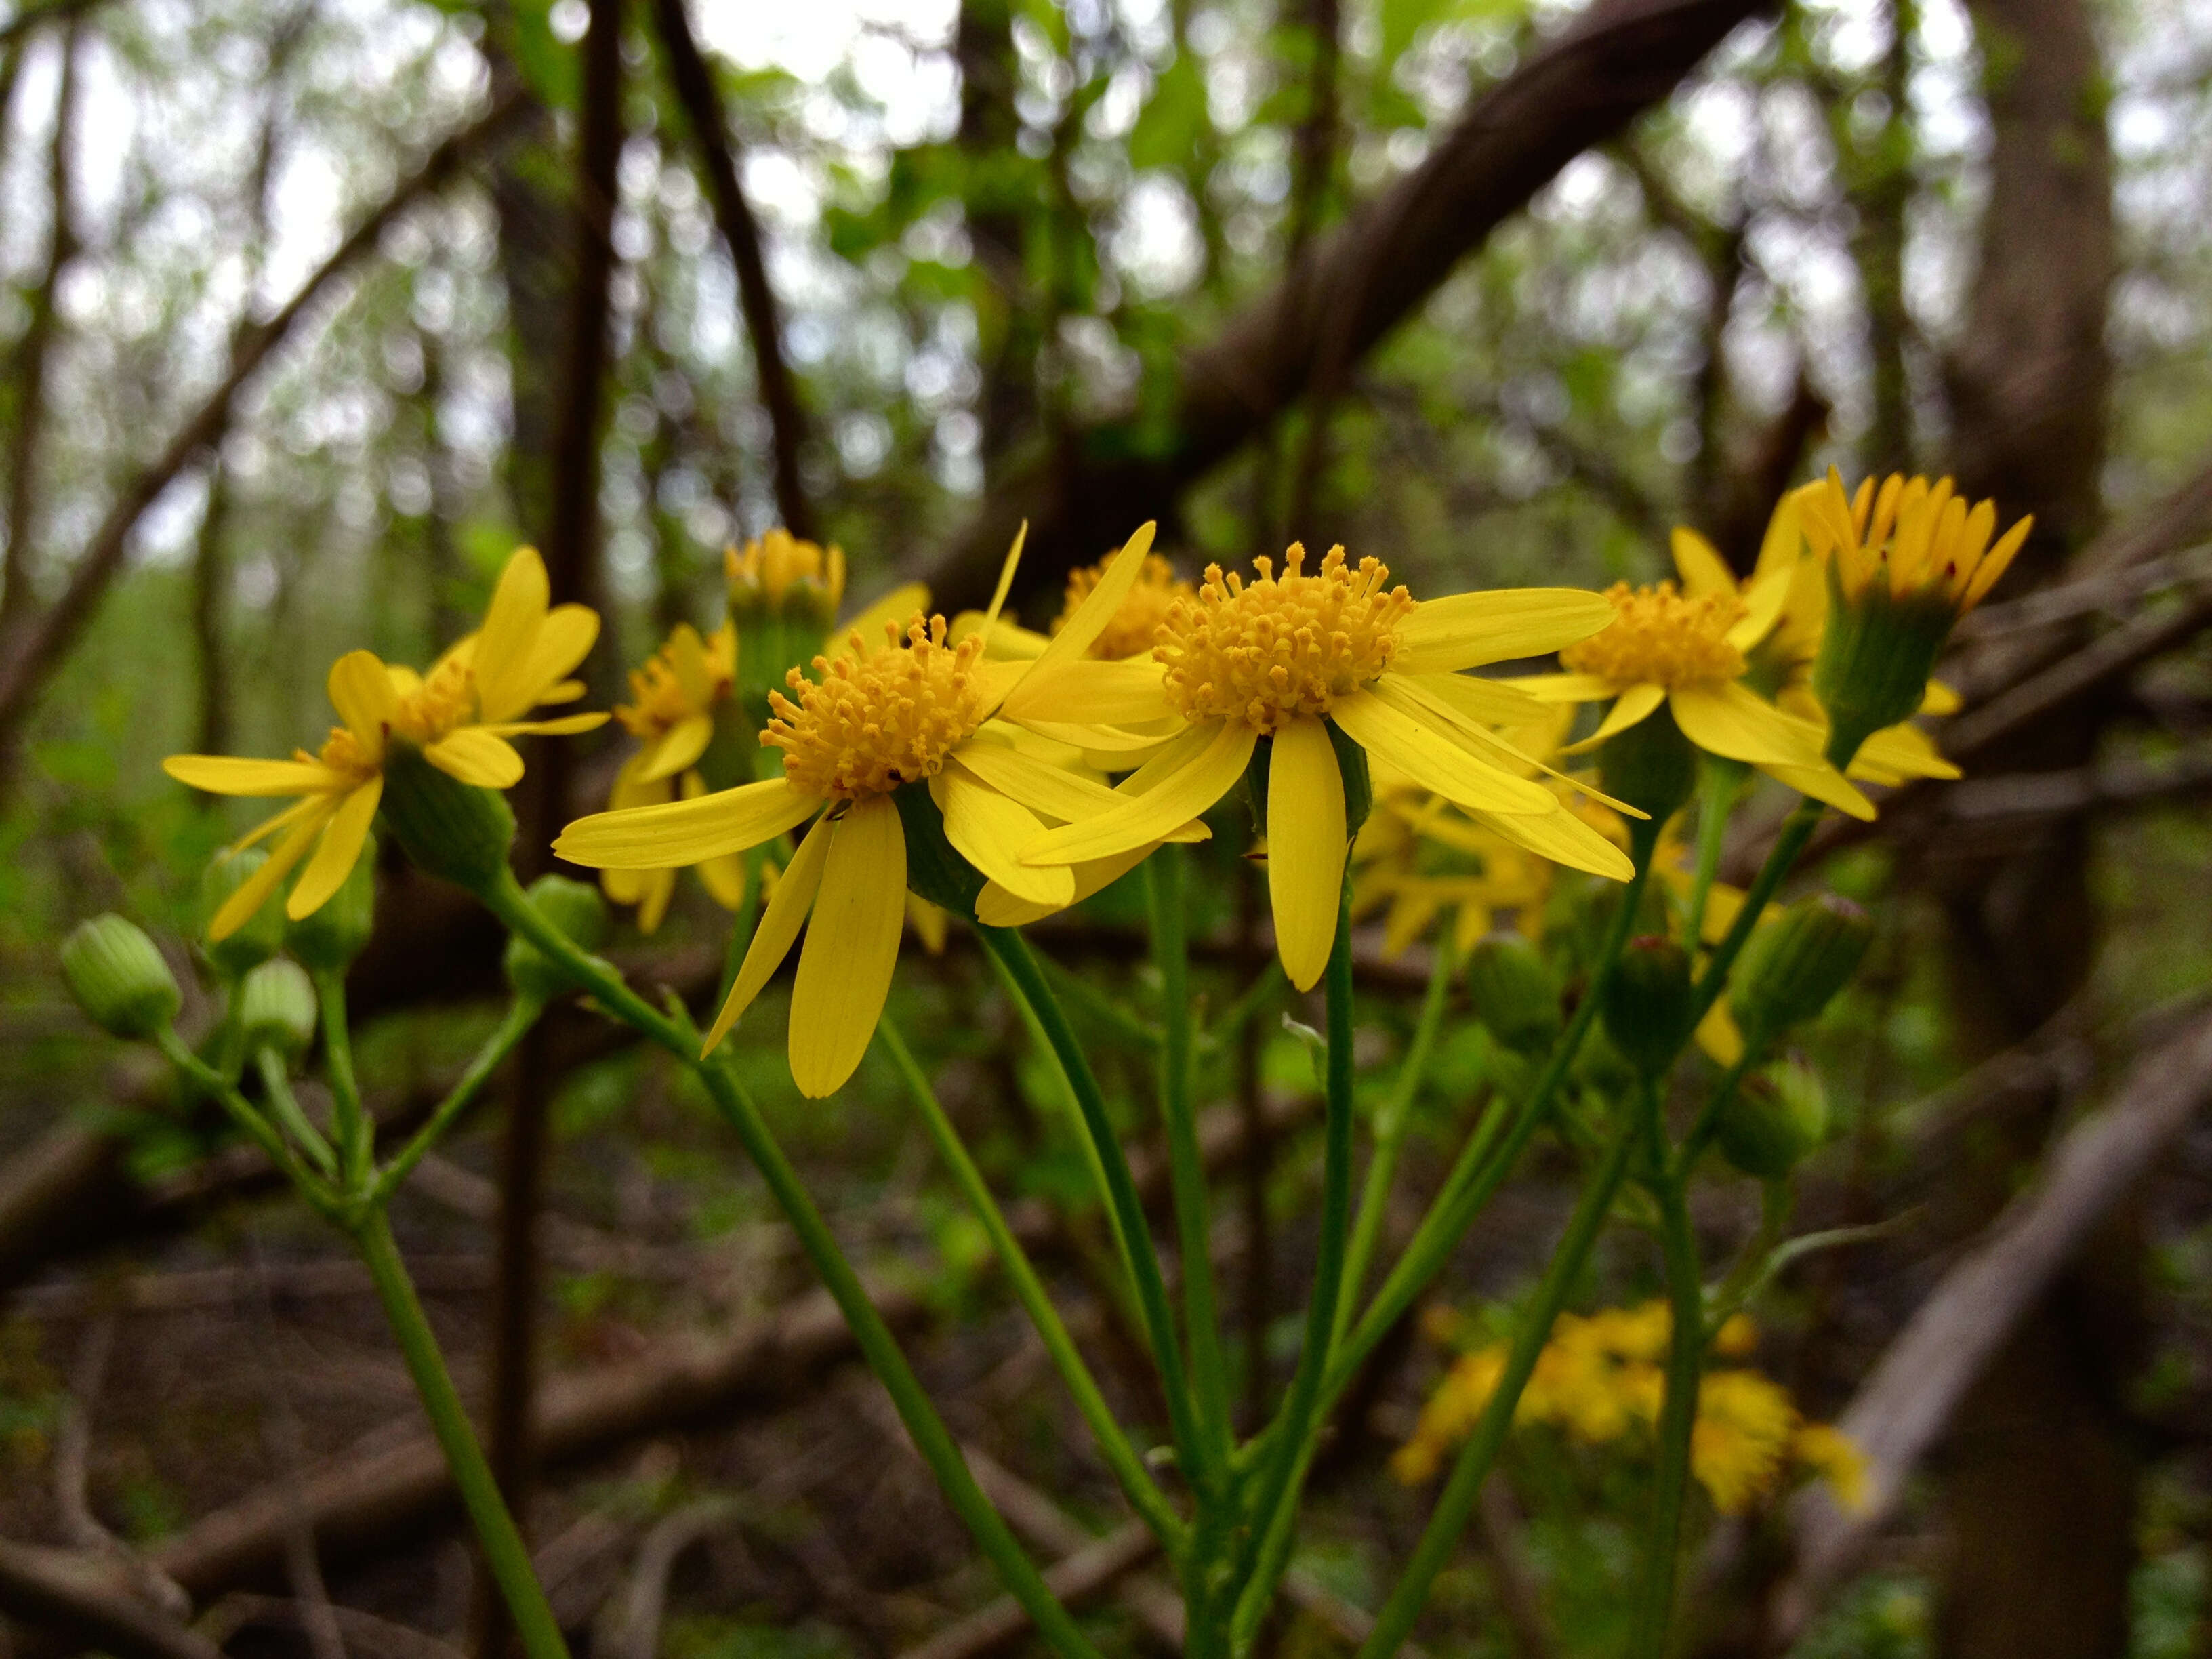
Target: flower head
[(857, 736), (1134, 626), (1662, 637), (777, 572), (1305, 661), (459, 716)]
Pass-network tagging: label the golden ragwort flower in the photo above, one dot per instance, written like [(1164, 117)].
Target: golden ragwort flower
[(676, 694), (459, 716), (1286, 658), (1909, 536), (919, 709)]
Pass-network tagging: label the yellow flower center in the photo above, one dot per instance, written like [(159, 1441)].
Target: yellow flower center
[(442, 704), (1661, 637), (1134, 629), (875, 720), (1277, 648)]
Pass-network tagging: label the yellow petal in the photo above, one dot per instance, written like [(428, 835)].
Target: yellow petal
[(680, 746), (284, 820), (478, 756), (1305, 847), (1466, 630), (564, 638), (1193, 772), (220, 775), (687, 656), (1489, 702), (1717, 1035), (656, 888), (1731, 721), (1412, 697), (1052, 791), (852, 945), (1081, 631), (1898, 752), (779, 925), (1701, 568), (510, 626), (362, 694), (1434, 760), (238, 909), (687, 831), (560, 727), (997, 907), (1563, 688), (1562, 838), (1632, 707), (334, 860), (1940, 699), (724, 878), (1764, 599), (1013, 561), (990, 830), (1111, 692)]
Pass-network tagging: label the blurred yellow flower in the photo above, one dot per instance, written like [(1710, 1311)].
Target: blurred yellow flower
[(675, 697), (459, 716)]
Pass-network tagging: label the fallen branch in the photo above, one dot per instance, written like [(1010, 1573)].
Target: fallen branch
[(59, 1589), (1907, 1404)]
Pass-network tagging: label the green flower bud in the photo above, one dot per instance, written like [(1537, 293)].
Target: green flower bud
[(339, 930), (1652, 767), (277, 1008), (1515, 992), (1876, 654), (1647, 1003), (1792, 968), (118, 977), (262, 935), (1773, 1121), (446, 828), (580, 913)]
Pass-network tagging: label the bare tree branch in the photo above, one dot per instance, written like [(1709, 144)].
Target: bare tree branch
[(58, 1588), (694, 81)]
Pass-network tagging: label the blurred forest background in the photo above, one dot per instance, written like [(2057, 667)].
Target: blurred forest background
[(312, 309)]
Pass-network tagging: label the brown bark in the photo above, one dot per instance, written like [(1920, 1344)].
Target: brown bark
[(688, 72), (1618, 59), (2041, 1493)]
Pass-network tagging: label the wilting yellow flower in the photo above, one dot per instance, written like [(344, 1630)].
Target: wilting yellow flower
[(1687, 651), (1599, 1376), (459, 716), (918, 710), (1286, 659), (676, 695), (1909, 538)]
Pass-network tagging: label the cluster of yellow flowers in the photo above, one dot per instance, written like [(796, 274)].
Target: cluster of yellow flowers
[(1016, 737), (1601, 1377)]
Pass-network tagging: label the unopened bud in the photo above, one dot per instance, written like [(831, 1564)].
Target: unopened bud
[(446, 828), (1515, 992), (1876, 654), (1647, 1004), (580, 916), (1773, 1121), (256, 938), (1792, 968), (277, 1008), (339, 929), (118, 977)]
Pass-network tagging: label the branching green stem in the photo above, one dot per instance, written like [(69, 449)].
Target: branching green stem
[(1186, 1167), (521, 1014), (1137, 1484), (349, 1122), (506, 899), (284, 1107), (1457, 1501), (241, 1113)]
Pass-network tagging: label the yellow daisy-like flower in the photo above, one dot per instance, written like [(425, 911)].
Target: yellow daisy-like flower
[(1739, 1444), (1782, 663), (1686, 649), (459, 716), (777, 567), (919, 709), (672, 717), (1135, 628), (1910, 538), (1286, 658)]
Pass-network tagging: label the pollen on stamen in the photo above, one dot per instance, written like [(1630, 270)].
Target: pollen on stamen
[(1262, 651), (869, 722), (1661, 637)]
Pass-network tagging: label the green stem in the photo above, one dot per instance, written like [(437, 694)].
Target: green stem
[(1293, 1429), (1678, 1416), (1457, 1502), (1797, 829), (1194, 1449), (1144, 1494), (1389, 1130), (1186, 1167), (1478, 1171), (349, 1123), (284, 1107), (505, 898), (1722, 779), (521, 1014), (256, 1127), (1709, 1116), (494, 1528)]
